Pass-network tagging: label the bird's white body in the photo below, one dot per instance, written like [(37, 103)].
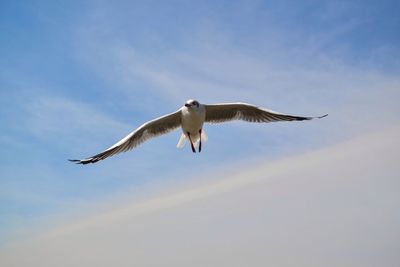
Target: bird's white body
[(191, 118), (192, 123)]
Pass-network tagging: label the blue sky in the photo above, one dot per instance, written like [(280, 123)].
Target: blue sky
[(76, 76)]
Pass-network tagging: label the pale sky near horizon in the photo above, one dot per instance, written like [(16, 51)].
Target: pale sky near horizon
[(77, 76), (313, 209)]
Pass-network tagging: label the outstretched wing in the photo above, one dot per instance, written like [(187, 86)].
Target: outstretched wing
[(156, 127), (241, 111)]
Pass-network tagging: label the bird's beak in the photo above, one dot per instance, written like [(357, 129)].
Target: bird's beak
[(188, 105)]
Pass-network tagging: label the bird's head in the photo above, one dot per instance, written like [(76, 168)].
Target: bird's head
[(192, 103)]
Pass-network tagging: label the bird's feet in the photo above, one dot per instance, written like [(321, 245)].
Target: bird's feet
[(191, 143), (200, 141), (193, 149)]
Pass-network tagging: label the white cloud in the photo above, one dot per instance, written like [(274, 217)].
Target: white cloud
[(333, 207), (297, 80)]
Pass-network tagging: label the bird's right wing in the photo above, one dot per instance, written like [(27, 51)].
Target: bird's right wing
[(156, 127), (241, 111)]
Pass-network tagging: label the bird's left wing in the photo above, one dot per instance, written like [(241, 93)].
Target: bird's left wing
[(156, 127), (241, 111)]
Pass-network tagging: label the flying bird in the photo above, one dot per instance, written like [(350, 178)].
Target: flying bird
[(191, 118)]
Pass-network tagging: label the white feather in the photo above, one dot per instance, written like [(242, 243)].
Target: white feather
[(182, 141), (204, 136)]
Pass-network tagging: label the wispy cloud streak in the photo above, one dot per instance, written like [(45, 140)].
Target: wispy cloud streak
[(267, 214), (61, 121)]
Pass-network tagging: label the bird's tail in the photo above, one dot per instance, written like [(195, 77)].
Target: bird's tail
[(204, 139), (204, 136), (182, 141)]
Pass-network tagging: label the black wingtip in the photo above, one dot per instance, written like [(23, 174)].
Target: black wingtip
[(77, 161), (84, 161), (323, 116)]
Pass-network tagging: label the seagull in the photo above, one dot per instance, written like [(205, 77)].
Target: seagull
[(191, 118)]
